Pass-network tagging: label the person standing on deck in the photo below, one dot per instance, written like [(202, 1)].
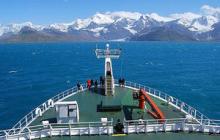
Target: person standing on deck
[(89, 84), (96, 83), (123, 82), (92, 82), (78, 85), (100, 80)]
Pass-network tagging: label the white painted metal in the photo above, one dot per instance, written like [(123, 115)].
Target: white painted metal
[(67, 112), (82, 128), (170, 125), (108, 54)]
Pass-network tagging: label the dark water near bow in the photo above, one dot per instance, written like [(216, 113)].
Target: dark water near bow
[(32, 73)]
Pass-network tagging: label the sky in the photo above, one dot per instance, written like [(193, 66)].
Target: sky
[(58, 11)]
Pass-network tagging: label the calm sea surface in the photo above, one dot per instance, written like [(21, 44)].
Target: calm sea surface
[(32, 73)]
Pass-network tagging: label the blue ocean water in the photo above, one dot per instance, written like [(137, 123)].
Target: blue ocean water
[(32, 73)]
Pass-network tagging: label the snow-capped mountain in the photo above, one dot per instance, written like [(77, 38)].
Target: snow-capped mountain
[(15, 28), (195, 22), (203, 24), (159, 18), (122, 25)]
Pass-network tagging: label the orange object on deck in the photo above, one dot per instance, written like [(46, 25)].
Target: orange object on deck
[(141, 101), (156, 112)]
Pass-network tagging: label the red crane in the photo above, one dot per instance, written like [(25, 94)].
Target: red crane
[(155, 110)]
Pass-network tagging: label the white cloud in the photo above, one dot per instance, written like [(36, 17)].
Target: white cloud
[(209, 10)]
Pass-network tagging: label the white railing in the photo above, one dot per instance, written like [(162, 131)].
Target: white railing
[(81, 128), (182, 106), (170, 125), (198, 117), (30, 117)]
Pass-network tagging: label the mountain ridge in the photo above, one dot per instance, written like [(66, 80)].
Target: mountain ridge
[(121, 25)]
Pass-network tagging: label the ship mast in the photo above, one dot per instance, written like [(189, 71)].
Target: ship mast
[(108, 54)]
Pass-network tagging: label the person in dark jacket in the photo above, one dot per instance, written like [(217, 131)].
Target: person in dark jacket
[(123, 82), (100, 80), (92, 82), (96, 83), (119, 127), (78, 85)]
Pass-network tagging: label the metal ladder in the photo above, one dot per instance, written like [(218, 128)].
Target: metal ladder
[(108, 87)]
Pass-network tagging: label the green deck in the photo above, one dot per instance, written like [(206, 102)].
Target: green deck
[(88, 101)]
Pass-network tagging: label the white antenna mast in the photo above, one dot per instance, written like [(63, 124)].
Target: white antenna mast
[(108, 54)]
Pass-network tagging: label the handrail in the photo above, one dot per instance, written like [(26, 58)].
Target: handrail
[(196, 115), (176, 120), (179, 124), (52, 126)]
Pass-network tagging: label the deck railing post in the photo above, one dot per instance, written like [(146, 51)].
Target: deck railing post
[(145, 126), (20, 124), (32, 115), (50, 130), (195, 113), (136, 129), (208, 121), (26, 120), (183, 125), (89, 129), (181, 106), (108, 128), (127, 127), (201, 119), (70, 129), (79, 132), (165, 125), (189, 110), (40, 134)]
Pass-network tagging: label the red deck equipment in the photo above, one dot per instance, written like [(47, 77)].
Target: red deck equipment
[(141, 101), (155, 111)]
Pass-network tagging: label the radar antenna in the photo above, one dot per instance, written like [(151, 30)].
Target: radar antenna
[(108, 54)]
